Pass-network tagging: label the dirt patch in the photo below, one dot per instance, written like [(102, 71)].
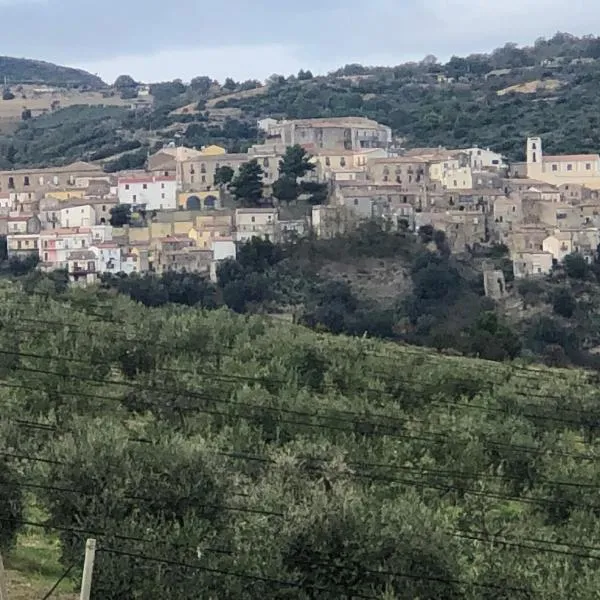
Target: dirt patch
[(237, 96), (40, 100), (381, 280), (21, 587), (531, 87)]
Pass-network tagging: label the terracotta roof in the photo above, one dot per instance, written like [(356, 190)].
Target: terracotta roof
[(82, 255), (249, 211), (23, 217), (66, 231), (337, 122), (572, 157), (149, 179)]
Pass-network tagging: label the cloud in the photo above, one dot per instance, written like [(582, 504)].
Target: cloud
[(253, 39)]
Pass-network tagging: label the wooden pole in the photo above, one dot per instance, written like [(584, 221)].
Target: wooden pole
[(3, 590), (88, 569)]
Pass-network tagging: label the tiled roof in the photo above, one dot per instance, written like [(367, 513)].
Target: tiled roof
[(572, 157)]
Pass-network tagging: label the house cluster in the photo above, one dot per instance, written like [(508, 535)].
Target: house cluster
[(184, 220), (542, 209)]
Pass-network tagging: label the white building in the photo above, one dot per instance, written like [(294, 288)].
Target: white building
[(108, 257), (56, 245), (222, 249), (484, 158), (256, 222), (77, 216), (153, 192)]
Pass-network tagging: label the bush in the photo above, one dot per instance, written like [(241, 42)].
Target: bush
[(576, 266), (564, 303)]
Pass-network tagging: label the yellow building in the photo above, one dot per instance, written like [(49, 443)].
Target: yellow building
[(580, 169), (66, 195), (204, 200)]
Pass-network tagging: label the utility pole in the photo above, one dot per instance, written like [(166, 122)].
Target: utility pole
[(3, 591), (88, 568)]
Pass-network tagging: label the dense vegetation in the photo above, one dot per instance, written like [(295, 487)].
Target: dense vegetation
[(427, 104), (24, 70), (65, 136), (246, 459)]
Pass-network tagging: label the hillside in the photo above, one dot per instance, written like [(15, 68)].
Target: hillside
[(493, 100), (257, 460), (23, 70)]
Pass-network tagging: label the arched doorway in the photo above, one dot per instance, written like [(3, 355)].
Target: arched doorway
[(193, 203), (210, 202)]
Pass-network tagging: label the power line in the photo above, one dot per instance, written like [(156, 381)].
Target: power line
[(227, 378)]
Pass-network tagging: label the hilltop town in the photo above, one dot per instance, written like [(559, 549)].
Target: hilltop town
[(179, 216)]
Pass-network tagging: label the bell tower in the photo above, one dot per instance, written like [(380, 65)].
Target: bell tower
[(535, 157)]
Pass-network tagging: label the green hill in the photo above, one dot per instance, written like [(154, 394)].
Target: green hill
[(493, 100), (221, 452), (25, 70)]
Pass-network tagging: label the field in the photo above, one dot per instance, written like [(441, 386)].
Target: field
[(42, 102), (253, 458)]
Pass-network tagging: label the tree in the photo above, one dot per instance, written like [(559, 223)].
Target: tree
[(304, 75), (564, 303), (26, 114), (576, 266), (230, 84), (318, 192), (296, 163), (120, 215), (201, 84), (7, 94), (224, 175), (285, 189), (124, 82), (3, 248), (11, 505), (247, 184)]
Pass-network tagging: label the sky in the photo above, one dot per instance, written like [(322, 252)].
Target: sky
[(157, 40)]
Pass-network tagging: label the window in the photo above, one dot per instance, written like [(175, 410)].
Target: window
[(202, 168), (145, 186), (11, 183), (534, 157), (355, 201), (569, 167), (103, 208), (162, 197), (41, 180), (253, 219), (45, 244), (55, 180), (126, 186), (327, 161), (588, 167), (555, 167), (25, 180), (19, 245), (162, 186), (45, 257), (83, 243), (266, 162), (166, 173), (534, 146), (134, 197), (203, 178)]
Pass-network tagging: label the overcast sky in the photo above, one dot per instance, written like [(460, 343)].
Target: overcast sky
[(156, 40)]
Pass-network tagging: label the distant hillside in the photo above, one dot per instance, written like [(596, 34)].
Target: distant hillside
[(24, 70), (492, 100)]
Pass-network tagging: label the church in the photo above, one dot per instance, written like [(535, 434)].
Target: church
[(580, 169)]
